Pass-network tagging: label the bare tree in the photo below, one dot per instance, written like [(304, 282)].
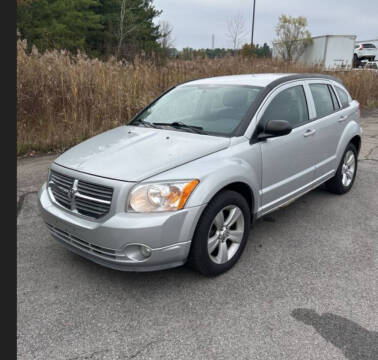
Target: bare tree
[(236, 31), (166, 39), (123, 28), (292, 37)]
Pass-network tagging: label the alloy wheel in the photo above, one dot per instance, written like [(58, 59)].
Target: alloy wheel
[(348, 168), (225, 234)]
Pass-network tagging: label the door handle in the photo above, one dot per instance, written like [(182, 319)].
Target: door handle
[(342, 118), (309, 132)]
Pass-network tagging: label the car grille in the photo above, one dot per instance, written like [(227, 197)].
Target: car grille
[(80, 196), (84, 245)]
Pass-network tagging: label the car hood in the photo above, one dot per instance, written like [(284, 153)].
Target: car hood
[(133, 153)]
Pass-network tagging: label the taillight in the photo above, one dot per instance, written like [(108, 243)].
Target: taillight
[(361, 47)]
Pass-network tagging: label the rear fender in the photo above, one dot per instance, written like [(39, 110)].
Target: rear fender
[(351, 130)]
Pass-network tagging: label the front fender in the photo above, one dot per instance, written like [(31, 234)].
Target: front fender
[(239, 163), (226, 175)]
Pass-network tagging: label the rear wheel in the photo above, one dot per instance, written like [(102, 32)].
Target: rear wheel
[(221, 234), (343, 180), (356, 61)]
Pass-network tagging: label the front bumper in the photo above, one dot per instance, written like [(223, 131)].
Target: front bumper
[(107, 241)]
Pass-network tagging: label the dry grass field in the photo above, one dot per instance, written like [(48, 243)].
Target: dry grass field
[(63, 99)]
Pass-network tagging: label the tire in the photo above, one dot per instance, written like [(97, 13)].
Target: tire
[(208, 256), (356, 61), (338, 184)]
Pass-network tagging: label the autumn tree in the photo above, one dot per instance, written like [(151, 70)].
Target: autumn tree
[(292, 37), (257, 50)]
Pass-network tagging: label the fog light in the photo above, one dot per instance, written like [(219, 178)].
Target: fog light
[(138, 252), (145, 250)]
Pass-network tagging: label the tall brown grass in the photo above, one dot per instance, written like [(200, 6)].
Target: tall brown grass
[(63, 99)]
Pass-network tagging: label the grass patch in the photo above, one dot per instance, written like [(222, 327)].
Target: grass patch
[(63, 99)]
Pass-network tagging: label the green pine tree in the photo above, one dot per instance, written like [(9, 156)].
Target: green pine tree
[(95, 26), (58, 24)]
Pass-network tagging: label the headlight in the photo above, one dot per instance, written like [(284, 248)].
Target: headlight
[(168, 196)]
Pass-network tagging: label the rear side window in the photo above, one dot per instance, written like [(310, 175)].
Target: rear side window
[(322, 99), (336, 105), (343, 96), (290, 105)]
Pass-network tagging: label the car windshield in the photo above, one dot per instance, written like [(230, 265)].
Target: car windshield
[(211, 109)]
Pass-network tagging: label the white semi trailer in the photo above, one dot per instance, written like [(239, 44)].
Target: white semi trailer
[(329, 51)]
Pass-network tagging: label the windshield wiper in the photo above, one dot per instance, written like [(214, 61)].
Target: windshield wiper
[(145, 123), (181, 125)]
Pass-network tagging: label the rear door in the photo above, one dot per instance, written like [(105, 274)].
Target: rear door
[(287, 161), (329, 117)]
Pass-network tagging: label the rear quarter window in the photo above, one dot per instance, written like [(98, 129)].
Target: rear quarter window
[(343, 96)]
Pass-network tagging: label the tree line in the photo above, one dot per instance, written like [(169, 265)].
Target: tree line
[(188, 53), (126, 28), (123, 28)]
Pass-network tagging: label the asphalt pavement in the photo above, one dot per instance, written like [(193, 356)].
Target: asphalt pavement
[(305, 287)]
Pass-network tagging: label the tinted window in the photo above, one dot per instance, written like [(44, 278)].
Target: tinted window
[(369, 46), (336, 105), (343, 96), (290, 105), (322, 99)]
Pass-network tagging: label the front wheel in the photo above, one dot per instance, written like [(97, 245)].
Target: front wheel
[(221, 234), (343, 180)]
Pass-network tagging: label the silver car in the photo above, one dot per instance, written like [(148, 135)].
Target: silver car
[(184, 181)]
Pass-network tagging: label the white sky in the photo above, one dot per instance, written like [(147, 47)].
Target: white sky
[(194, 21)]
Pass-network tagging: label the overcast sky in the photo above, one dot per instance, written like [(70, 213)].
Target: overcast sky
[(194, 21)]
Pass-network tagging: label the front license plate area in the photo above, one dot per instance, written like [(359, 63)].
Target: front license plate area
[(66, 227)]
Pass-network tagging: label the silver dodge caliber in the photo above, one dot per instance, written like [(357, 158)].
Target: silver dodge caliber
[(186, 178)]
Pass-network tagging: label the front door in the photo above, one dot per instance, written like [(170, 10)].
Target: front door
[(288, 164)]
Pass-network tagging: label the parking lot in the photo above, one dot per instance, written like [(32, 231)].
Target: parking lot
[(305, 287)]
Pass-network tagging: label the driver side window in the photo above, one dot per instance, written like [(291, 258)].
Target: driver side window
[(290, 105)]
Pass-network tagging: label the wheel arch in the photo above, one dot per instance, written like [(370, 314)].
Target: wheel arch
[(351, 134), (243, 189), (356, 141)]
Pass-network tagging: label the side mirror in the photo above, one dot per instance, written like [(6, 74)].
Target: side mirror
[(275, 128)]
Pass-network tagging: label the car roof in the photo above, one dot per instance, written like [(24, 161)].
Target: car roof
[(244, 79), (262, 80)]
